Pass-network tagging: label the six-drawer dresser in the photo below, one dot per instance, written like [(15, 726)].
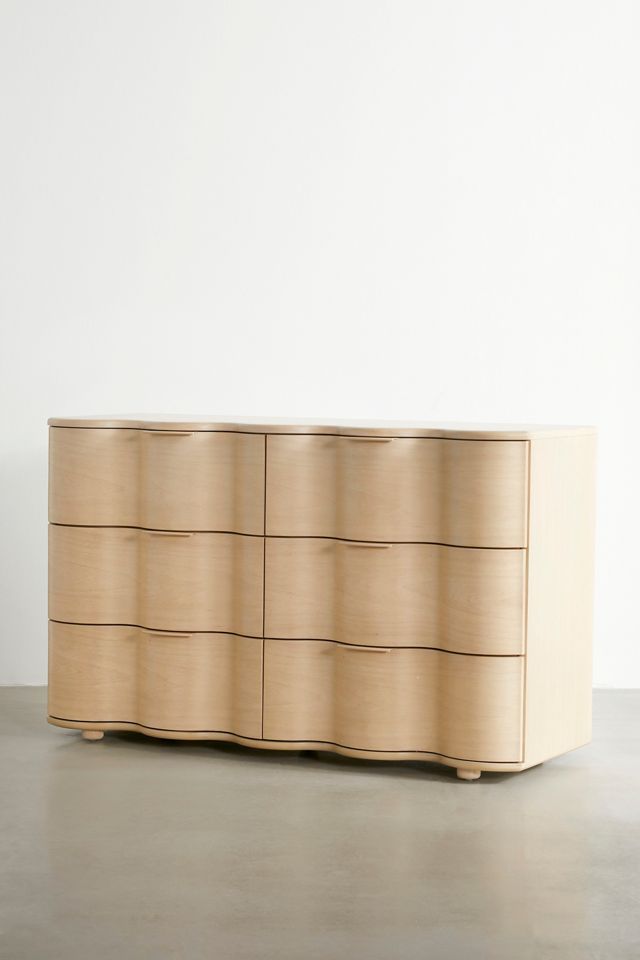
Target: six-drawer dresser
[(382, 590)]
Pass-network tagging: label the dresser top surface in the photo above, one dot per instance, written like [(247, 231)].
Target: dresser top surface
[(283, 425)]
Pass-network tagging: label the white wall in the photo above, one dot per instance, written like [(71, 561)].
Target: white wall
[(370, 208)]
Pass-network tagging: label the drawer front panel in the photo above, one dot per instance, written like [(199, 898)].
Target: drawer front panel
[(466, 708), (412, 594), (468, 493), (199, 581), (201, 682), (159, 479)]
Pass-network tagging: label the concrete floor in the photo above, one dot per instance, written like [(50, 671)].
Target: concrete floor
[(134, 848)]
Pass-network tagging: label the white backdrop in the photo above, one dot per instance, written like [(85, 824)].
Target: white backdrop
[(393, 209)]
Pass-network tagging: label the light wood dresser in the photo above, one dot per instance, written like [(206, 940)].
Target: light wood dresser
[(388, 591)]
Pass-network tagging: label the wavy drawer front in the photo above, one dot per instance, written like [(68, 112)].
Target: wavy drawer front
[(412, 594), (160, 479), (466, 708), (124, 675), (470, 493), (199, 581)]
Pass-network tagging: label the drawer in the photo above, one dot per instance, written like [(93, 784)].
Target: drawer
[(197, 581), (165, 480), (465, 492), (409, 594), (466, 708), (116, 674)]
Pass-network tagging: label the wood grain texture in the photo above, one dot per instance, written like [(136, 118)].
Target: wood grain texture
[(423, 490), (201, 581), (560, 591), (469, 601), (202, 682), (162, 480), (408, 700)]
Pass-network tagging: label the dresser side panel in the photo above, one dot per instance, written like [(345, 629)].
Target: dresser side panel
[(559, 596)]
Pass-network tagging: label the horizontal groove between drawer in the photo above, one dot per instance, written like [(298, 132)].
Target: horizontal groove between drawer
[(274, 536), (329, 743), (251, 636)]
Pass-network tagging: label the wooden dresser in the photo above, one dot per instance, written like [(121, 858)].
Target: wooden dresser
[(382, 590)]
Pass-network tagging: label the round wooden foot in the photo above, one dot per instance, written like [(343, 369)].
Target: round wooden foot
[(468, 774), (92, 734)]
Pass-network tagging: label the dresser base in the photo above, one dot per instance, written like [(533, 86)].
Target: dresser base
[(465, 769)]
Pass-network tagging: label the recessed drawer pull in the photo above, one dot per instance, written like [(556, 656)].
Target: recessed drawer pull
[(370, 439), (164, 633), (168, 533), (370, 546), (363, 649), (168, 433)]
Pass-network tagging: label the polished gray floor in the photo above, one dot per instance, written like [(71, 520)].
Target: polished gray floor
[(136, 848)]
